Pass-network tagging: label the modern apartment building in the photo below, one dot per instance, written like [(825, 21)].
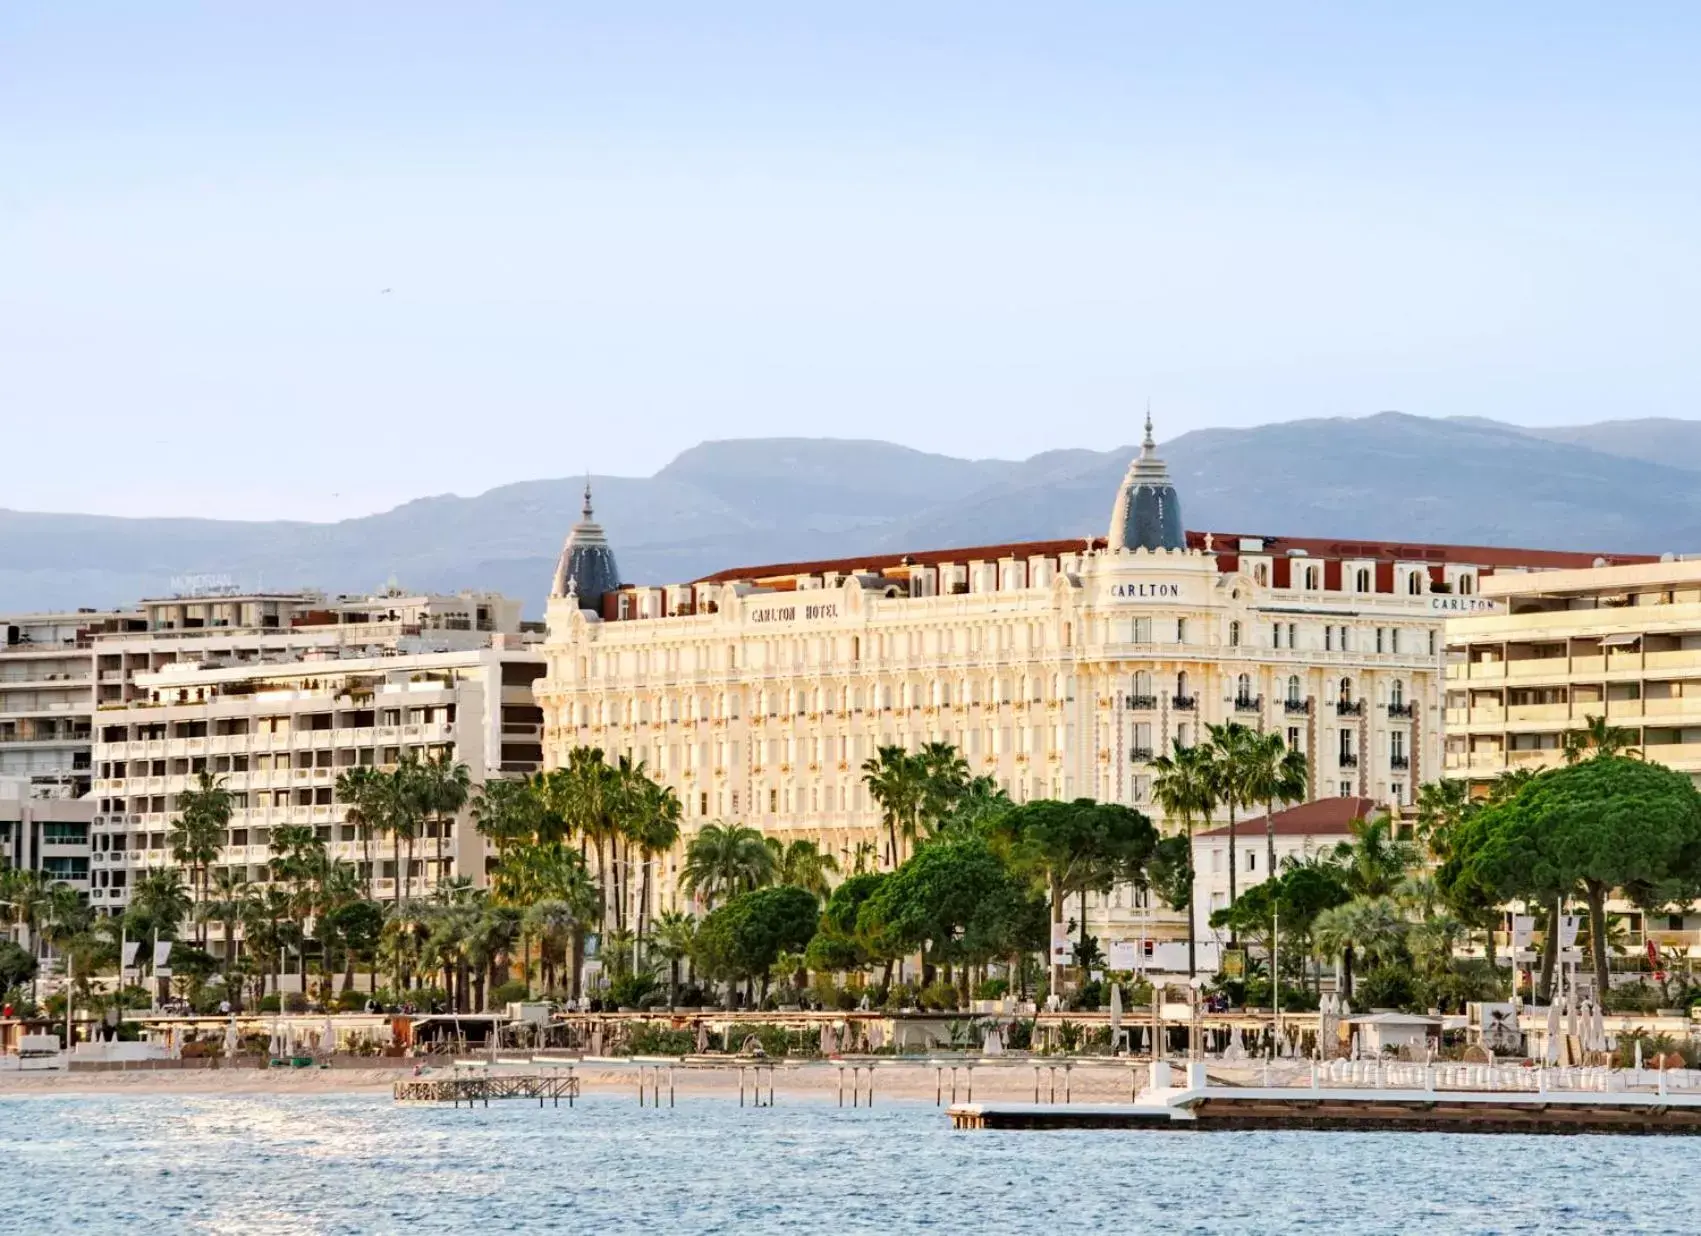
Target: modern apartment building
[(1060, 668), (45, 832), (47, 696), (1623, 642), (280, 733)]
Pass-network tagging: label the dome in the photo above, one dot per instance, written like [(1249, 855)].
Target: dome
[(1147, 514), (586, 568)]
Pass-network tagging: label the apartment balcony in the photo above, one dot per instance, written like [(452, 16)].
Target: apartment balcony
[(1399, 763), (1400, 712), (1184, 703), (1141, 703), (1538, 712), (1249, 703), (1296, 708), (1539, 667), (1486, 671), (1617, 708), (1141, 755), (1540, 757), (1349, 708), (1488, 716), (1347, 759)]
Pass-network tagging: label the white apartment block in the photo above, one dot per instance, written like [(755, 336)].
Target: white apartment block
[(279, 734)]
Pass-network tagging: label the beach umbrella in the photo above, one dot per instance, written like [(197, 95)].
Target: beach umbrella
[(702, 1038), (1597, 1022), (328, 1040), (230, 1043), (829, 1045), (1115, 1018), (993, 1044), (1551, 1054), (876, 1036)]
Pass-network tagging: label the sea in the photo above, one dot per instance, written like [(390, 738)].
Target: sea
[(332, 1164)]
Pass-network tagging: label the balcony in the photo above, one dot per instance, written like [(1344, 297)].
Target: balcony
[(1249, 703), (1399, 762), (1184, 703), (1142, 755), (1400, 712), (1297, 708), (1348, 760), (1349, 708), (1145, 702)]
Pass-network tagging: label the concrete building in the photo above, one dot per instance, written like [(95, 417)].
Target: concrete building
[(45, 831), (1623, 642), (47, 697), (1060, 668), (1309, 830)]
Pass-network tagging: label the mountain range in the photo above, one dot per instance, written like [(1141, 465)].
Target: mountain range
[(1626, 486)]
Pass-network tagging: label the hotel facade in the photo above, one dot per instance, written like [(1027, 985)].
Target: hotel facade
[(1058, 668)]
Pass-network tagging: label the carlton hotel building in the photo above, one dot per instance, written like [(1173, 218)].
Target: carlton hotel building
[(1060, 668)]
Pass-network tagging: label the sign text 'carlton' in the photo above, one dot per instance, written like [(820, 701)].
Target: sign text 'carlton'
[(791, 613)]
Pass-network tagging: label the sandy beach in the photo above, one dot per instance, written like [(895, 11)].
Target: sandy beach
[(815, 1080)]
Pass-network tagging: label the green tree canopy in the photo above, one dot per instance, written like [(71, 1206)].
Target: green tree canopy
[(745, 937)]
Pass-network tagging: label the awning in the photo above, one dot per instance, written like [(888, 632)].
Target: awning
[(1619, 641)]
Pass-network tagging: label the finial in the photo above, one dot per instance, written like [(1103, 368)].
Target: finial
[(1148, 444), (1208, 539), (587, 511)]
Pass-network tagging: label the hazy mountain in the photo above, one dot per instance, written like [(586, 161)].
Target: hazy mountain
[(1627, 486)]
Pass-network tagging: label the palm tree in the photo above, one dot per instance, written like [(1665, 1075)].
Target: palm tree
[(656, 812), (1273, 774), (203, 815), (444, 786), (675, 933), (897, 782), (360, 790), (584, 793), (944, 778), (1368, 927), (231, 896), (1605, 739), (1232, 764), (1373, 862), (1185, 789), (723, 860), (509, 812), (802, 864), (402, 812)]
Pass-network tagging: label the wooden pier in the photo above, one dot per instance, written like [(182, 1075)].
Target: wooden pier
[(482, 1087)]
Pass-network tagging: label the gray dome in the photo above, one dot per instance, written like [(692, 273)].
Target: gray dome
[(1147, 514), (586, 568)]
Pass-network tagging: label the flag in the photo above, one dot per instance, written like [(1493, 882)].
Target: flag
[(162, 958), (131, 948)]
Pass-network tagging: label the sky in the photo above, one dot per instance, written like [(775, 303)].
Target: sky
[(313, 260)]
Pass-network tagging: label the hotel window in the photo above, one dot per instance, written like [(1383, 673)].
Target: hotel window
[(1275, 635), (1346, 789), (1243, 687), (1293, 738), (1142, 630), (1181, 630), (1397, 746), (1432, 643), (1252, 860), (1362, 580), (1261, 575), (1293, 688), (1313, 577), (1414, 583), (1394, 640), (1381, 634), (1143, 683), (1181, 736), (1293, 633), (1329, 639), (703, 803), (1467, 585), (1397, 693), (1346, 690), (1181, 685), (1234, 634), (1398, 791)]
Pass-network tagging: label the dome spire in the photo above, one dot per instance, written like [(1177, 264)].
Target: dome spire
[(586, 569), (1147, 514)]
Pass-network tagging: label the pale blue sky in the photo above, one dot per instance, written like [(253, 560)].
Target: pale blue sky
[(614, 230)]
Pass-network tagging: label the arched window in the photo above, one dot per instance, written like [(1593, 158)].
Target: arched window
[(1261, 575), (1293, 688), (1346, 690), (1181, 685), (1234, 633), (1467, 585), (1397, 693), (1243, 687), (1362, 580), (1312, 579), (1414, 583)]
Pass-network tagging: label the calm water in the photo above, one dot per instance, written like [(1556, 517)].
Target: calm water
[(339, 1164)]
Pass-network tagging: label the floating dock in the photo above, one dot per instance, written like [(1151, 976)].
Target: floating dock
[(1420, 1099)]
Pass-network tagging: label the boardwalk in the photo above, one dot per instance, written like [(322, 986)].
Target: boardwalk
[(473, 1088)]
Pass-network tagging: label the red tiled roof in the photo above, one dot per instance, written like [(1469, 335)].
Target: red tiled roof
[(1226, 543), (1326, 816)]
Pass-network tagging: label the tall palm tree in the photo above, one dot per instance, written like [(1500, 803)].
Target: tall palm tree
[(199, 836), (1368, 927), (585, 793), (509, 812), (944, 778), (655, 830), (444, 787), (360, 790), (675, 933), (1231, 746), (723, 860), (801, 863), (1185, 788), (231, 897), (896, 781), (403, 811), (1272, 774), (1373, 862)]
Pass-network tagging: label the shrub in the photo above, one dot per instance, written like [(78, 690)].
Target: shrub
[(773, 1039), (1090, 996), (629, 991), (654, 1040), (1386, 987), (992, 989), (938, 997), (900, 996), (509, 993)]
